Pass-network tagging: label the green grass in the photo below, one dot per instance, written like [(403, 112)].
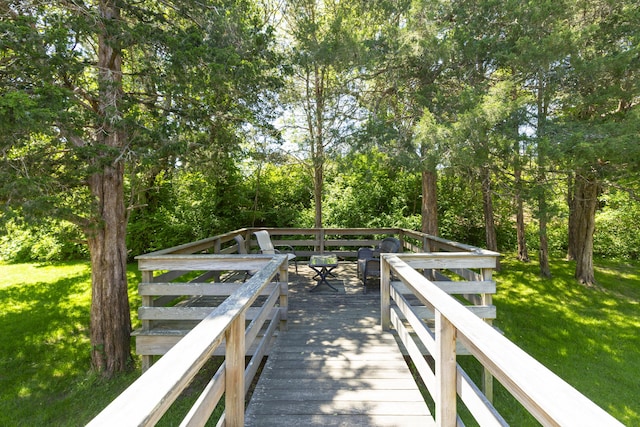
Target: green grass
[(45, 376), (589, 337)]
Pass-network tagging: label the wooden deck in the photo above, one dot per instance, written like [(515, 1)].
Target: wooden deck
[(334, 366)]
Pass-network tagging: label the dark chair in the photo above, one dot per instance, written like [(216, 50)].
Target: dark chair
[(390, 245), (369, 259), (368, 265)]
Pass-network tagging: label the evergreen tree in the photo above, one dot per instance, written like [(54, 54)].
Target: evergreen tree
[(92, 89)]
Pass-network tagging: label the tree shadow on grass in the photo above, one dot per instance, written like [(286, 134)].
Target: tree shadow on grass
[(587, 336), (44, 330)]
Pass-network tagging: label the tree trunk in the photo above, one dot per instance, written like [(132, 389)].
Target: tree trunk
[(585, 205), (318, 181), (487, 207), (523, 254), (543, 211), (545, 269), (110, 313), (571, 228), (257, 194), (430, 202), (319, 141)]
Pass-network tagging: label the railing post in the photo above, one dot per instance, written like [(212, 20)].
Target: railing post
[(487, 300), (234, 373), (147, 301), (385, 294), (284, 295), (217, 247), (446, 372)]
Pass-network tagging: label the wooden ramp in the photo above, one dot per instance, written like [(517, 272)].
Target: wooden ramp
[(335, 366)]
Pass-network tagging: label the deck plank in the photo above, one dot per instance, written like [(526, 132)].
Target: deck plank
[(335, 366)]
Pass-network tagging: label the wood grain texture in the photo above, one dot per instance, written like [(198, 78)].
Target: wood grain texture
[(335, 366)]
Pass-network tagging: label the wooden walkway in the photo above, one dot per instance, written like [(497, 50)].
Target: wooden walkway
[(335, 366)]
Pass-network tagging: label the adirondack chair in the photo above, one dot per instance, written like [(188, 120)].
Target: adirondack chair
[(266, 247), (369, 259)]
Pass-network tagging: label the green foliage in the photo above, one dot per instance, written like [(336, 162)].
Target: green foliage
[(279, 195), (44, 242), (616, 235), (459, 210), (369, 190), (185, 206), (193, 77), (557, 233)]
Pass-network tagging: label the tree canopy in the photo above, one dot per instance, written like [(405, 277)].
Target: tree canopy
[(133, 126)]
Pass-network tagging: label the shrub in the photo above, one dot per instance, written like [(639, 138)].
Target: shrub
[(52, 241), (616, 234)]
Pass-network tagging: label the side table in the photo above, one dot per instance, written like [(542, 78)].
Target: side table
[(323, 265)]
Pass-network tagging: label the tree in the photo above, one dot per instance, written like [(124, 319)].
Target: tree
[(431, 139), (600, 121), (407, 106), (90, 90), (539, 42), (327, 43), (80, 123)]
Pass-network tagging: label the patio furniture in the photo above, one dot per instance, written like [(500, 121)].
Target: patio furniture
[(369, 259), (266, 247), (323, 265)]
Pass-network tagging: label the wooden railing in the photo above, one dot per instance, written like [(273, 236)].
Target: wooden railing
[(172, 298), (547, 397), (344, 242), (148, 398), (431, 271)]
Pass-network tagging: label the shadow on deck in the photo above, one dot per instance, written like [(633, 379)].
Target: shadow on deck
[(334, 366)]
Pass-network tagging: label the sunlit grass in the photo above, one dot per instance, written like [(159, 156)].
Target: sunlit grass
[(587, 336), (45, 376)]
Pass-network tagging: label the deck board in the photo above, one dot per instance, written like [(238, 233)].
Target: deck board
[(335, 366)]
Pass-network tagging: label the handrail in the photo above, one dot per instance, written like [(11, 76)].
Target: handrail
[(148, 398), (318, 240), (546, 396)]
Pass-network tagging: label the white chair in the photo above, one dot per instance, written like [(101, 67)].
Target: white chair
[(266, 246)]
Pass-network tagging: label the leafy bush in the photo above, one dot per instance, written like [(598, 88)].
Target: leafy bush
[(53, 241), (616, 234), (367, 190)]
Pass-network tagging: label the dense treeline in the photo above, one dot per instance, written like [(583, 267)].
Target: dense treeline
[(364, 190), (127, 127)]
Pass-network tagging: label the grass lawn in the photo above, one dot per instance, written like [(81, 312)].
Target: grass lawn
[(589, 337), (45, 376)]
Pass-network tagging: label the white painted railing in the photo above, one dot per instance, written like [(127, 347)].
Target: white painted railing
[(547, 397), (149, 397)]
